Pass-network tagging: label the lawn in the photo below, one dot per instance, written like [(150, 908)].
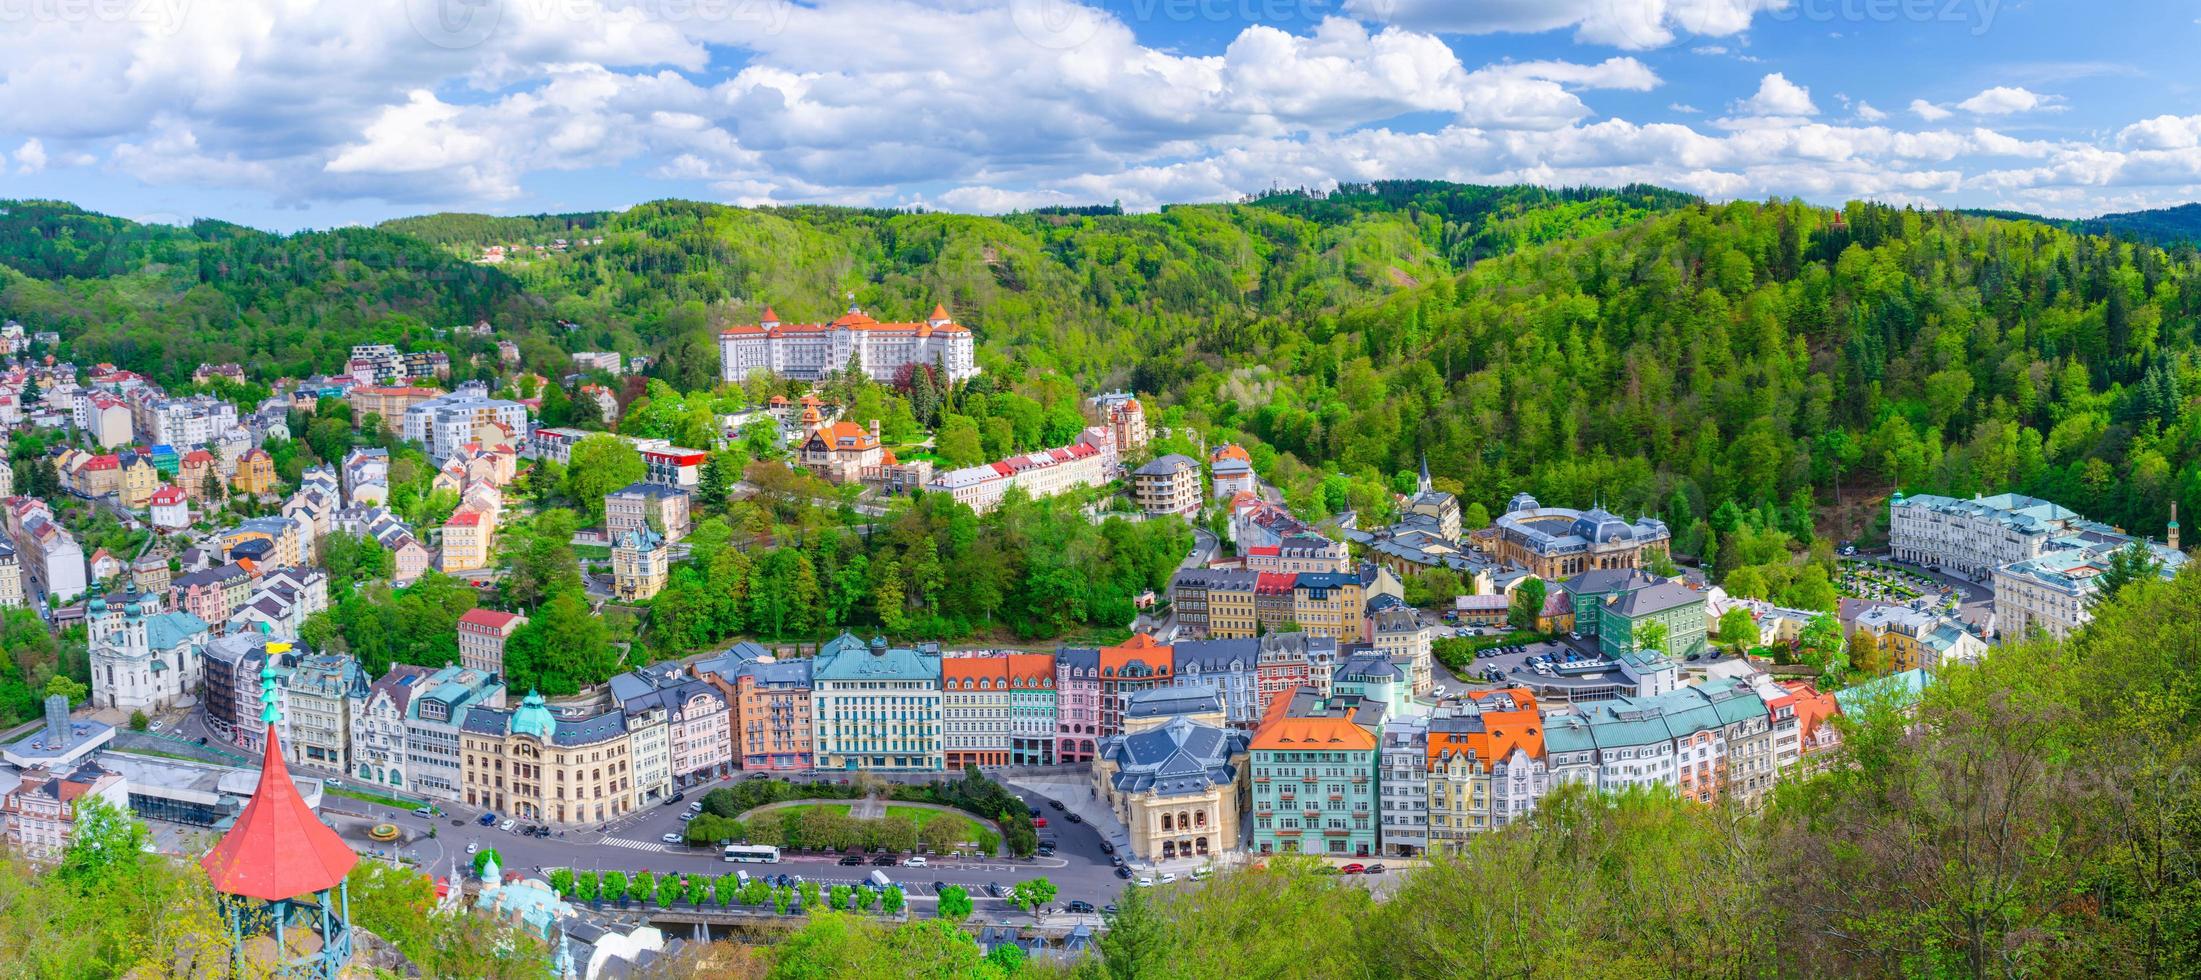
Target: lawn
[(922, 816), (840, 808)]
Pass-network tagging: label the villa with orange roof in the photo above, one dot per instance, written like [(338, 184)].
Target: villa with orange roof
[(1315, 767), (811, 351), (841, 452)]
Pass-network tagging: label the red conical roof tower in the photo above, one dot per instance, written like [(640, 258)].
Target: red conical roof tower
[(278, 849)]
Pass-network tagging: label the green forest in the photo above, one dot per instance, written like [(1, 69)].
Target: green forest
[(1644, 346)]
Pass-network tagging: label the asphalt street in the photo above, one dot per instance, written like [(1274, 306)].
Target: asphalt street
[(1079, 869)]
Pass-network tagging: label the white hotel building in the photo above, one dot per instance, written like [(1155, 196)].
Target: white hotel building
[(810, 351), (1972, 538)]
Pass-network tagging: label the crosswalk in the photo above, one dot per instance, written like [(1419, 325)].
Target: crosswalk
[(637, 845)]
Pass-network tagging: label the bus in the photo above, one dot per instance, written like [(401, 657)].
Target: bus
[(752, 853)]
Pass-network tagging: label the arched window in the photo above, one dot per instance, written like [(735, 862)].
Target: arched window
[(1165, 822), (1184, 820), (1199, 819)]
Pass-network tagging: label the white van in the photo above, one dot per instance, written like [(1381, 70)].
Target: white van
[(879, 879)]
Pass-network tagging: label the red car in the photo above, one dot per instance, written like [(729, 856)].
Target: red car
[(1353, 869), (1039, 821)]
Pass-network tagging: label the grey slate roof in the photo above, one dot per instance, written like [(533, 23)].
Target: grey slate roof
[(1181, 757)]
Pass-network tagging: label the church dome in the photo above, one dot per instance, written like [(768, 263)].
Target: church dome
[(1520, 502)]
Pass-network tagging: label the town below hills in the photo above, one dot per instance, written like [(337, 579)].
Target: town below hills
[(1720, 587)]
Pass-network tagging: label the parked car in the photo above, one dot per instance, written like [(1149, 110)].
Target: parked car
[(670, 838), (1031, 811), (1039, 821), (471, 847), (685, 817), (1080, 907), (1123, 872), (1168, 876), (1353, 869), (884, 861), (1374, 869), (938, 887), (1202, 873), (508, 825), (851, 860), (424, 811), (1057, 804), (758, 775), (1108, 909), (915, 862), (1074, 818), (1107, 848), (331, 781), (1143, 882)]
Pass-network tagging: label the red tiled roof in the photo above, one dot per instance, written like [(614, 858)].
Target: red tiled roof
[(277, 849), (488, 619)]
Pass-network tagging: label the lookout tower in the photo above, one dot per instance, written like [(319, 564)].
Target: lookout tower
[(280, 870)]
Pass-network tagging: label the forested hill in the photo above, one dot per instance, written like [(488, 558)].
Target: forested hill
[(2161, 226), (1637, 345), (161, 299)]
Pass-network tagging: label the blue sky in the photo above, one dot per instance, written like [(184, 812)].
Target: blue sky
[(293, 113)]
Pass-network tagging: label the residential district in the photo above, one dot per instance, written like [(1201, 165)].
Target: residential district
[(1282, 697)]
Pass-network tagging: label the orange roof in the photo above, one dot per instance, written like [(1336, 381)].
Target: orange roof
[(1282, 731), (852, 320), (1503, 732), (847, 435), (1032, 668), (1140, 648), (1231, 450), (974, 668), (1813, 706)]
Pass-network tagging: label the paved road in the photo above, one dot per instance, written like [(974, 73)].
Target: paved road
[(1079, 869)]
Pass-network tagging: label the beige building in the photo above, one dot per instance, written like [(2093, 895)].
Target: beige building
[(639, 565), (1176, 778), (531, 764), (1168, 485), (655, 506)]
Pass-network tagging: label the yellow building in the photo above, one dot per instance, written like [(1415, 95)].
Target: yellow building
[(139, 480), (255, 473), (467, 537), (530, 764), (640, 562)]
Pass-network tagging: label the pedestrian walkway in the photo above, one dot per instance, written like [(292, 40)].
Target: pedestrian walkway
[(868, 808), (637, 845)]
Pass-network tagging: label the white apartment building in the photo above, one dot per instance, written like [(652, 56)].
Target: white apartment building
[(880, 350), (445, 423), (1088, 462)]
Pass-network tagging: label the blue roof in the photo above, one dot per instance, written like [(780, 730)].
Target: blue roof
[(878, 661), (172, 629), (1903, 688), (533, 718)]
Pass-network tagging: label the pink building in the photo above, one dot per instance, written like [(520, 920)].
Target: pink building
[(702, 734), (482, 635), (1077, 705)]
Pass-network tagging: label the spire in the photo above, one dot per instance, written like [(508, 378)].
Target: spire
[(1425, 488), (277, 849), (771, 319), (939, 314)]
